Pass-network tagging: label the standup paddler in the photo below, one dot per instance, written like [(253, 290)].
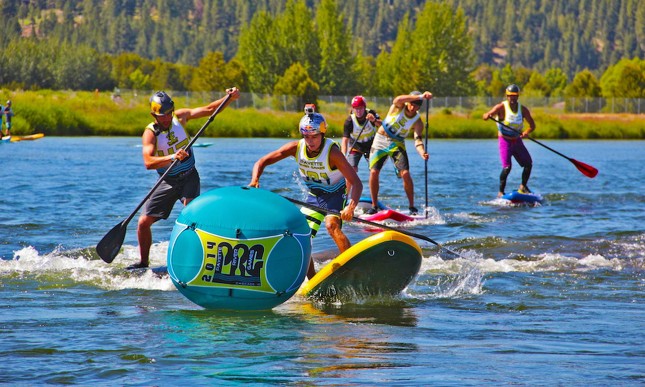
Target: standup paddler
[(163, 141), (512, 114), (329, 177), (389, 142)]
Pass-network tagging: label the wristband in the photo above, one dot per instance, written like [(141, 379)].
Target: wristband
[(172, 157)]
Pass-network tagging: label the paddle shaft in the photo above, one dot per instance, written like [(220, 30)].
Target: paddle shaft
[(349, 148), (530, 138), (374, 224), (426, 161), (110, 244), (586, 169)]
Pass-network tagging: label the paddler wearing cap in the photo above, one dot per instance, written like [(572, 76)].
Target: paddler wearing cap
[(164, 141), (510, 132), (389, 142)]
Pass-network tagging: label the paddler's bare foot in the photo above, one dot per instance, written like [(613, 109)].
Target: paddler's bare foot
[(137, 266), (500, 194)]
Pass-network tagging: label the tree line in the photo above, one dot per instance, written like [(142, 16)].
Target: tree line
[(325, 47)]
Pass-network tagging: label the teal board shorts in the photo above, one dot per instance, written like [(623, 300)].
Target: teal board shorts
[(384, 147)]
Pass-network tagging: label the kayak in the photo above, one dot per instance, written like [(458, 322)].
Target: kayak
[(30, 137)]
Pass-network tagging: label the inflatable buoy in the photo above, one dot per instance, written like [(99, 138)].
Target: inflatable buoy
[(239, 248)]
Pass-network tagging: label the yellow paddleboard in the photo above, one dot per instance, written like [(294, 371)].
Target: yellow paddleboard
[(27, 138), (381, 265)]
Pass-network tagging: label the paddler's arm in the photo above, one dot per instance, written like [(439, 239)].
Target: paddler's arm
[(526, 114), (283, 152), (348, 127), (401, 100), (343, 145), (150, 160), (418, 140), (354, 184), (187, 114), (497, 110)]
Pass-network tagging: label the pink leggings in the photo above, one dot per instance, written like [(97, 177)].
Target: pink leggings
[(514, 148)]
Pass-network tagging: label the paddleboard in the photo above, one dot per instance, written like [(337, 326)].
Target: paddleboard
[(365, 203), (5, 139), (30, 137), (159, 271), (388, 214), (519, 198), (381, 265), (385, 213), (202, 144)]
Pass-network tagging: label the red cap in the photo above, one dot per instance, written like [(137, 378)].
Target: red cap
[(358, 101)]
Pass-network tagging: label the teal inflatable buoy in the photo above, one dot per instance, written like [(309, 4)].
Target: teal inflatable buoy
[(239, 248)]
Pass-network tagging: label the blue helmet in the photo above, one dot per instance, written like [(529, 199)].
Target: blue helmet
[(313, 123)]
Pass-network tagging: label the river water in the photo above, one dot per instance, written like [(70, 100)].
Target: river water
[(548, 295)]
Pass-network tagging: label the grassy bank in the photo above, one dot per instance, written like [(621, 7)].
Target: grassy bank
[(68, 113)]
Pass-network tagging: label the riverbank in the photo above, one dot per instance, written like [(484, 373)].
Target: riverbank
[(71, 113)]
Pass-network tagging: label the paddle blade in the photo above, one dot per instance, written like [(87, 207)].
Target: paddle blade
[(586, 169), (111, 243)]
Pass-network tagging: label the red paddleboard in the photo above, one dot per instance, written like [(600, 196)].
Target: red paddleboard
[(388, 214)]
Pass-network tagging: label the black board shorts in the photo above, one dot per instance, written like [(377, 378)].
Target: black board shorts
[(171, 189)]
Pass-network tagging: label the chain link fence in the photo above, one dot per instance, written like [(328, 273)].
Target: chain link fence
[(329, 103)]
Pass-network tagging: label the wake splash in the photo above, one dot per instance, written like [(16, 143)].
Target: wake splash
[(441, 275), (82, 266), (465, 276)]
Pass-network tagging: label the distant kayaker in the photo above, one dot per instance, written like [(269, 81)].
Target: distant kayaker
[(6, 112)]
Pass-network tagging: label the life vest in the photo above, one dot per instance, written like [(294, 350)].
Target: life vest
[(512, 119), (398, 125), (169, 142), (362, 133), (316, 172)]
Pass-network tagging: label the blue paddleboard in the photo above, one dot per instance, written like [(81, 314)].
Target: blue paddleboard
[(529, 198)]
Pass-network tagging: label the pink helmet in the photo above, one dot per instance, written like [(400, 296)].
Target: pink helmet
[(358, 101)]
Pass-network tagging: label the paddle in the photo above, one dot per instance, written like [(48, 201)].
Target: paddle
[(359, 134), (111, 243), (374, 224), (586, 169), (426, 148), (349, 149)]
